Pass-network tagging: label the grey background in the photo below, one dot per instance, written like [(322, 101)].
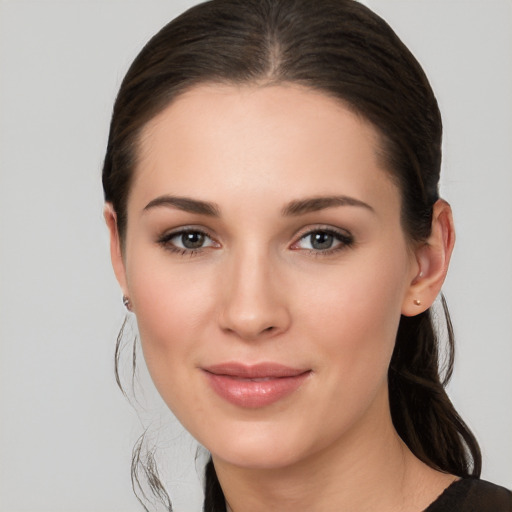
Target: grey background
[(66, 431)]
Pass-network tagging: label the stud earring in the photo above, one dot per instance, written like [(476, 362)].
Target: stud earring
[(127, 303), (417, 302)]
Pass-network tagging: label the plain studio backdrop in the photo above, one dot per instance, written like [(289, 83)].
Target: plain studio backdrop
[(66, 431)]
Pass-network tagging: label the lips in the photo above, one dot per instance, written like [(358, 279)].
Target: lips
[(254, 386)]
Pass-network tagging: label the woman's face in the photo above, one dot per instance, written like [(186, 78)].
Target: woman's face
[(267, 267)]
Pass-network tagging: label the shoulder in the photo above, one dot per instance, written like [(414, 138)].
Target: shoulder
[(473, 495)]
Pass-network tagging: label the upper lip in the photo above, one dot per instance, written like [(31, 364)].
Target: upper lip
[(254, 371)]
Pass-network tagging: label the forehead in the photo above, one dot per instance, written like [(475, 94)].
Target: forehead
[(284, 110), (258, 138)]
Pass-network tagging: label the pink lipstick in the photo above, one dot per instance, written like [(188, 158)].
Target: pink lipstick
[(254, 386)]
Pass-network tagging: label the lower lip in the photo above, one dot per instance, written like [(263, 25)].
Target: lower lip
[(254, 393)]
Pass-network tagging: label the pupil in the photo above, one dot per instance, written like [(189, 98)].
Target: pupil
[(321, 240), (192, 240)]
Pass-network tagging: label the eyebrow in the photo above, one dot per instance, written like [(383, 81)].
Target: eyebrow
[(186, 204), (314, 204), (294, 208)]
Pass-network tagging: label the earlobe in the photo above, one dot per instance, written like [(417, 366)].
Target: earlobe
[(116, 253), (433, 257)]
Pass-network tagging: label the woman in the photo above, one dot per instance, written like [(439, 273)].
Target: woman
[(271, 185)]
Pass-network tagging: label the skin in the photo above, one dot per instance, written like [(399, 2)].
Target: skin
[(259, 291)]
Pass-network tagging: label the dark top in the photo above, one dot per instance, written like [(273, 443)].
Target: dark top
[(472, 495)]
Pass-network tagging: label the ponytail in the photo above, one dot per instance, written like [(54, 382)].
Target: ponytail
[(422, 413)]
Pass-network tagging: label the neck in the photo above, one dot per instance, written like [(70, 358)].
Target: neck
[(370, 468)]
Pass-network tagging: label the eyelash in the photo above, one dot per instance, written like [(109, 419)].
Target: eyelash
[(165, 241), (345, 238)]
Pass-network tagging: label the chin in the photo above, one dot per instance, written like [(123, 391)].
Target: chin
[(260, 447), (256, 457)]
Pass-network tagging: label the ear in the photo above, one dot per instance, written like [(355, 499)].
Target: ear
[(116, 253), (433, 258)]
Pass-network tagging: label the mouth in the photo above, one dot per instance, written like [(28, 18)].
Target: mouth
[(254, 386)]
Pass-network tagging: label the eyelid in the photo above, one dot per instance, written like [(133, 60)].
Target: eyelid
[(185, 229), (322, 227)]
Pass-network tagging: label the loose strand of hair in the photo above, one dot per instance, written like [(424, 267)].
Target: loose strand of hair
[(143, 462)]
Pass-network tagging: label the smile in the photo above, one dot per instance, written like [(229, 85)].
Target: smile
[(254, 386)]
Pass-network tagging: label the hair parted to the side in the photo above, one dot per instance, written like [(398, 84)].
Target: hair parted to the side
[(343, 49)]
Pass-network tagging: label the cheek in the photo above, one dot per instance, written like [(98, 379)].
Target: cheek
[(173, 308), (355, 313), (167, 295), (350, 322)]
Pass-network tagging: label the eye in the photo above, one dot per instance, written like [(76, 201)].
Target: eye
[(324, 241), (187, 241)]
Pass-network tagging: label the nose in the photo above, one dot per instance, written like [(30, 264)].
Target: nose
[(254, 305)]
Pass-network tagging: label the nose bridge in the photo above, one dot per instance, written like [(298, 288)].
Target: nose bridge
[(253, 303)]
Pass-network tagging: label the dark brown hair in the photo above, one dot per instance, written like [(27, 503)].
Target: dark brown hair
[(343, 49)]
